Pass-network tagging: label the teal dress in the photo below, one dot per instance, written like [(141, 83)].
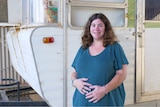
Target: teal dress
[(99, 70)]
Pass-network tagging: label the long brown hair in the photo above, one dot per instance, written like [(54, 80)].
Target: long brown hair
[(109, 36)]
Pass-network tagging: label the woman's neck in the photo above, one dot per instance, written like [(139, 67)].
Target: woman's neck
[(97, 43)]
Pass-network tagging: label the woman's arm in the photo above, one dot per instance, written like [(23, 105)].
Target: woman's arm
[(120, 76), (73, 76)]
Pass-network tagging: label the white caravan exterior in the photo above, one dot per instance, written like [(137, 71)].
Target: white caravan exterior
[(47, 66)]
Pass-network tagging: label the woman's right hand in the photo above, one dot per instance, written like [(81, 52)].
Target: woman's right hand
[(82, 85)]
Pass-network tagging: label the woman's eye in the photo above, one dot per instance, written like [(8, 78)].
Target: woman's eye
[(93, 25), (100, 25)]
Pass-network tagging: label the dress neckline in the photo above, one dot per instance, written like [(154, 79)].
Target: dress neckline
[(96, 54)]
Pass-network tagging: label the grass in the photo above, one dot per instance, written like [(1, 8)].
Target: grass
[(152, 25), (131, 13)]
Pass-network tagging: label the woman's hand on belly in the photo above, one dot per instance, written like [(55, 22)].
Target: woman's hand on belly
[(82, 85), (97, 93)]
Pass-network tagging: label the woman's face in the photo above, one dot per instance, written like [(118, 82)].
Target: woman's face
[(97, 29)]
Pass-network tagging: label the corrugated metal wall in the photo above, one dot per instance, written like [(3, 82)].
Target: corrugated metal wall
[(6, 68)]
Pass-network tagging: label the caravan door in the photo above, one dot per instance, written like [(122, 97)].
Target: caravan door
[(147, 58)]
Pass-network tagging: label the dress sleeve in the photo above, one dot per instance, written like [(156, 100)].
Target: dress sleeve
[(120, 57), (76, 58)]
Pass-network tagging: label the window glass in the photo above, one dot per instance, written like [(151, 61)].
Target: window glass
[(115, 15), (112, 1), (152, 10)]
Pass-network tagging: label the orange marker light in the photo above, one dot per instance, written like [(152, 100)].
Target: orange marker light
[(48, 40)]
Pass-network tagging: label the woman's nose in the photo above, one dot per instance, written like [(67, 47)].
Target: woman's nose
[(97, 27)]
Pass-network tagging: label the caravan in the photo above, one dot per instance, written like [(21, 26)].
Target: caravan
[(47, 35)]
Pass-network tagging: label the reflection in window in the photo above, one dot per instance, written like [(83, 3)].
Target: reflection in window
[(40, 11), (50, 11)]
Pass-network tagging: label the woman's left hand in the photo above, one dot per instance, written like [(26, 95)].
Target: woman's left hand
[(97, 93)]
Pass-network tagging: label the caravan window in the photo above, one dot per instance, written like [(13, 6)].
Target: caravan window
[(40, 11), (80, 10), (111, 1), (152, 10)]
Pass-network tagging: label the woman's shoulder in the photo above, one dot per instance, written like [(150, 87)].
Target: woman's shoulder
[(115, 45), (81, 49)]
